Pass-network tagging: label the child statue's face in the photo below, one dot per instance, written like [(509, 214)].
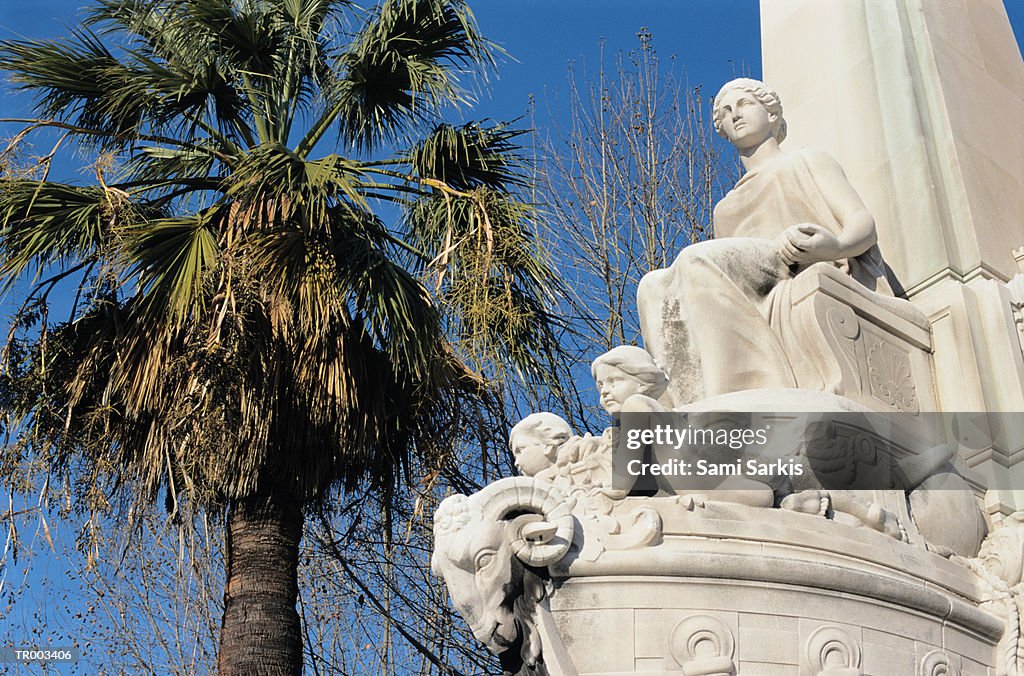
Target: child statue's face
[(615, 386), (533, 453)]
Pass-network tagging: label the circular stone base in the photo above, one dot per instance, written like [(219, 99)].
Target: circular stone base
[(740, 590)]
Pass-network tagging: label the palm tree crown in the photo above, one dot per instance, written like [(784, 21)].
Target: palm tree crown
[(248, 312)]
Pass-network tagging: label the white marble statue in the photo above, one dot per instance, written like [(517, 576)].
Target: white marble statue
[(717, 318), (1000, 565), (546, 448), (628, 379), (539, 445), (491, 548), (789, 311)]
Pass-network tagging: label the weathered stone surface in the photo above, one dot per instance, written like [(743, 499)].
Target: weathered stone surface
[(790, 310)]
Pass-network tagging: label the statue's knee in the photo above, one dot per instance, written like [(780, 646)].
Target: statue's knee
[(693, 259), (700, 252)]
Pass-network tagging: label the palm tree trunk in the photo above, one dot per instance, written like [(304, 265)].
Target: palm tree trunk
[(260, 633)]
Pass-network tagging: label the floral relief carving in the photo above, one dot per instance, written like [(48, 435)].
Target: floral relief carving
[(890, 376)]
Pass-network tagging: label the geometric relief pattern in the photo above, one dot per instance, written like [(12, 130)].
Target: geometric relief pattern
[(831, 651), (703, 644), (936, 663)]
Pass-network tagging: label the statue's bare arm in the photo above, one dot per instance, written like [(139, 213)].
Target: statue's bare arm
[(807, 243)]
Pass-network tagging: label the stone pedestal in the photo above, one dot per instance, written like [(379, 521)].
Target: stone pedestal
[(727, 592)]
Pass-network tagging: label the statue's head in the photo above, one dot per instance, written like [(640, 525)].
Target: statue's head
[(535, 440), (1002, 553), (762, 93), (484, 545), (624, 371)]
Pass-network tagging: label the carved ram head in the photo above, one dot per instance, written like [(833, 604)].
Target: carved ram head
[(481, 543)]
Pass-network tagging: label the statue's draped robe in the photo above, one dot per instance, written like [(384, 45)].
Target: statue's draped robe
[(718, 319)]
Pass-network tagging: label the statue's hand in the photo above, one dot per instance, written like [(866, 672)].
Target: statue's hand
[(808, 243)]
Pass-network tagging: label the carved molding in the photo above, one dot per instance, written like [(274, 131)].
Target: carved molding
[(703, 646), (831, 651), (844, 321), (1016, 287), (937, 663), (1018, 321), (640, 528), (844, 327)]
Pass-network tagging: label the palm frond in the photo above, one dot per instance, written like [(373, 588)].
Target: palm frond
[(78, 80), (147, 24), (488, 272), (173, 258), (177, 52), (345, 274), (162, 166), (297, 266), (81, 82), (275, 185), (403, 66), (249, 34), (395, 307), (470, 156), (310, 16), (47, 223)]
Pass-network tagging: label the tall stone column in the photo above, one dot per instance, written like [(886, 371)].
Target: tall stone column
[(922, 102)]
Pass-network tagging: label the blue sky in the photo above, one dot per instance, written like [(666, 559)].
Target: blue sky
[(713, 36), (715, 40)]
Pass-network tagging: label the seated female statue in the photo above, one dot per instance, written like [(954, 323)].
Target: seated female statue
[(717, 320)]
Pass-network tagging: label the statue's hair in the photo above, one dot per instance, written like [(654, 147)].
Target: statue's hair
[(638, 363), (550, 424), (765, 95), (453, 514)]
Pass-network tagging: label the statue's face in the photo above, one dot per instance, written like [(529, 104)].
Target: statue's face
[(1001, 554), (745, 121), (615, 386), (533, 453)]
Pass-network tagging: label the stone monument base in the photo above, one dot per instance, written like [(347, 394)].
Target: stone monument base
[(728, 591)]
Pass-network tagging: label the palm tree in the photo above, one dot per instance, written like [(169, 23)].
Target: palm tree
[(254, 323)]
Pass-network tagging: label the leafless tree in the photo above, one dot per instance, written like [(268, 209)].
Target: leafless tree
[(629, 169)]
